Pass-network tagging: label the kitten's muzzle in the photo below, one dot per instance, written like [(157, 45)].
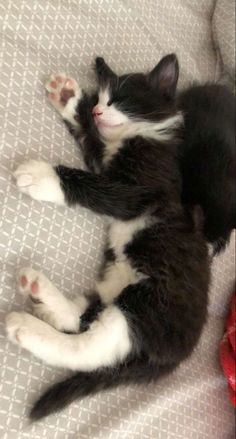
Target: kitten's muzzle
[(97, 111)]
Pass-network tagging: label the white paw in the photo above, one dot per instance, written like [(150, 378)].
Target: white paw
[(49, 303), (21, 328), (39, 180), (34, 335), (35, 285), (64, 94)]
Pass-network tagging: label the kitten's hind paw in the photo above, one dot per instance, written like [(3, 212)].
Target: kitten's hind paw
[(35, 285), (21, 328), (49, 304)]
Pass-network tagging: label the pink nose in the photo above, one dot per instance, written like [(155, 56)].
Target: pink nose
[(97, 111)]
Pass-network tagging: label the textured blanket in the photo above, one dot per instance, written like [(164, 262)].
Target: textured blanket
[(39, 37)]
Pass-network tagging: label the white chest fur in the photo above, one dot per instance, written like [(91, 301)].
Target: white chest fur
[(122, 232), (161, 131), (120, 273), (111, 148)]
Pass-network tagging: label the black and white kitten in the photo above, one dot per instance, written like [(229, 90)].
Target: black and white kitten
[(150, 302)]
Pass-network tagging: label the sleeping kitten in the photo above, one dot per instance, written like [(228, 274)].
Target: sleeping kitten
[(150, 302)]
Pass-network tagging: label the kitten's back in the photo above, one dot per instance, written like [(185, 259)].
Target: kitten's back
[(207, 157)]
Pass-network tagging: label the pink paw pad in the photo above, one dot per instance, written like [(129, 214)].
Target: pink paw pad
[(23, 281), (52, 96), (34, 287), (53, 84), (17, 337)]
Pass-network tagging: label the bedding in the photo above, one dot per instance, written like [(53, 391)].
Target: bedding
[(39, 37)]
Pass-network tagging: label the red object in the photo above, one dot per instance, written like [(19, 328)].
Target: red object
[(228, 351)]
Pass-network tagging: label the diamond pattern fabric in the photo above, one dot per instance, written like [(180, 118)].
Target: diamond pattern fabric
[(37, 38)]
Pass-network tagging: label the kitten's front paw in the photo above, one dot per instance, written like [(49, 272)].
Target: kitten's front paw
[(64, 94), (39, 180)]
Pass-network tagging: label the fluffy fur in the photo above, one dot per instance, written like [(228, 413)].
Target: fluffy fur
[(150, 301), (208, 158)]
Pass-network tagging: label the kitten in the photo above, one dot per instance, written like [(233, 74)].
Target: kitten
[(150, 302)]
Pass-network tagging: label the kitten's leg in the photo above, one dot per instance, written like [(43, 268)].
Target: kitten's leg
[(64, 94), (49, 304), (67, 186), (106, 342)]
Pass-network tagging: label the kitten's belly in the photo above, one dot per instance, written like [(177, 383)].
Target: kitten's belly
[(120, 273), (122, 232), (117, 276)]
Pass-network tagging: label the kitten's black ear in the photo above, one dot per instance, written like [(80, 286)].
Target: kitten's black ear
[(103, 71), (164, 76)]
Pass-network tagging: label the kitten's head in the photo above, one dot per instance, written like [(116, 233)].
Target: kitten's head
[(132, 98)]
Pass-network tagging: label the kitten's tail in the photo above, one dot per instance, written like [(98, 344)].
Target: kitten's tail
[(87, 383), (76, 387)]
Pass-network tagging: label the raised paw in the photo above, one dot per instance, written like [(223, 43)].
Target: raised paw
[(39, 180), (64, 94)]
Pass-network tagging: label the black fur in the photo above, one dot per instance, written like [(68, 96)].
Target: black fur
[(207, 158), (95, 307), (102, 195), (167, 309), (206, 153)]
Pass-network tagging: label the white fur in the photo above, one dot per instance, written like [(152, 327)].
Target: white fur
[(117, 277), (111, 148), (111, 122), (55, 309), (69, 111), (39, 180), (103, 97), (210, 249), (110, 114), (122, 232), (106, 342), (120, 274), (160, 131)]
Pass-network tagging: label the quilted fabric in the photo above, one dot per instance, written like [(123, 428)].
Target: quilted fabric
[(39, 37)]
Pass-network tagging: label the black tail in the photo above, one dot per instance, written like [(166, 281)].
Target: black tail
[(78, 386), (87, 383)]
